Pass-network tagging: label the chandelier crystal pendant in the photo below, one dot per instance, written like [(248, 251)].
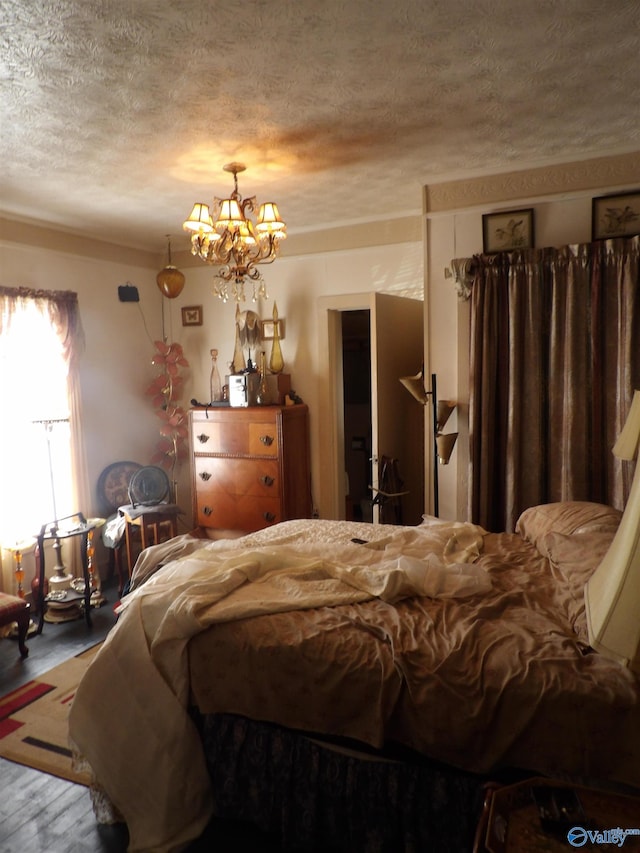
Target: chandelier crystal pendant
[(233, 241)]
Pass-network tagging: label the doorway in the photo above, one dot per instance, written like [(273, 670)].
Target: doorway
[(356, 384), (395, 425)]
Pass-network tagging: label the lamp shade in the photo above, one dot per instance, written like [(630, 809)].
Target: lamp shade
[(415, 386), (612, 594), (445, 444), (230, 215), (443, 412), (269, 219), (246, 233), (199, 219)]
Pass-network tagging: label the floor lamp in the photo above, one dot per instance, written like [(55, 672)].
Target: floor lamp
[(442, 443), (61, 579)]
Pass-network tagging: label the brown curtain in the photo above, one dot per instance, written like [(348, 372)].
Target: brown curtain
[(555, 357)]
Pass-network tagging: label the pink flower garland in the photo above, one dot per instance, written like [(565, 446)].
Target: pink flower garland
[(164, 391)]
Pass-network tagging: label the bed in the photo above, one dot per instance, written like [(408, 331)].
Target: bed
[(351, 686)]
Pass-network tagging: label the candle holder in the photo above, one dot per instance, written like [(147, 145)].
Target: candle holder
[(18, 550)]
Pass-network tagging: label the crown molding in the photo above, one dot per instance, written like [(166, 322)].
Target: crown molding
[(407, 229), (614, 172), (41, 236)]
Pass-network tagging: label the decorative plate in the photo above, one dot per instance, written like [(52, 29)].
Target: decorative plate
[(113, 483), (149, 486)]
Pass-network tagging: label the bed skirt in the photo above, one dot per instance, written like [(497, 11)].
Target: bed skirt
[(314, 797)]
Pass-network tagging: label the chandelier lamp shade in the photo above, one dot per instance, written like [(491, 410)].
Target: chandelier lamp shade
[(237, 236), (170, 280)]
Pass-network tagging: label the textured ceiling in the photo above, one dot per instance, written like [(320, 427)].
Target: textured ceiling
[(117, 115)]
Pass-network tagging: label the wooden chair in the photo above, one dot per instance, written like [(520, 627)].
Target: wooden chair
[(150, 511), (155, 524)]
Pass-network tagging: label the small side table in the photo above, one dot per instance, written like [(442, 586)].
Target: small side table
[(52, 531)]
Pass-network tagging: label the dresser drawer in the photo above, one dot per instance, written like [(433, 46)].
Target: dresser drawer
[(235, 438), (238, 512), (258, 477)]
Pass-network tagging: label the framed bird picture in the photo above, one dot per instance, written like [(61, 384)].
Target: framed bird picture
[(507, 230), (615, 216)]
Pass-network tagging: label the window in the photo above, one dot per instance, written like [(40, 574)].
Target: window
[(38, 341)]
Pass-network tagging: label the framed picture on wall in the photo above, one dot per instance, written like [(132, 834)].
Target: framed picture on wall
[(507, 230), (192, 315), (615, 215)]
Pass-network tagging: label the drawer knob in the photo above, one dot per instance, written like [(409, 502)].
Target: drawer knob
[(203, 438), (266, 480), (269, 516), (267, 440), (204, 475), (206, 510)]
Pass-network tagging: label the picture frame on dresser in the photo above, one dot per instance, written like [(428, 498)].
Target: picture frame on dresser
[(615, 215), (506, 230), (268, 329)]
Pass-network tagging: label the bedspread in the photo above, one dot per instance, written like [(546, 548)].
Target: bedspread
[(501, 679), (467, 647), (139, 753)]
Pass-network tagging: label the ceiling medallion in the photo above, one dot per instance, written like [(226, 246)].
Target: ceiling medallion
[(234, 242)]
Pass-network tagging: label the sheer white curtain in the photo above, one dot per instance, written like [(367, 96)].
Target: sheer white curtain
[(42, 466)]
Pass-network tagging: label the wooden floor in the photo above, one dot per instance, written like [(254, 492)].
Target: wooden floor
[(39, 812)]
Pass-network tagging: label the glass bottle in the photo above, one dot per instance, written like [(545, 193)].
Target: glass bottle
[(215, 384), (276, 362), (263, 389)]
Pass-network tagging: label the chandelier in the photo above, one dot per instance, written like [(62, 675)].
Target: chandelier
[(233, 241)]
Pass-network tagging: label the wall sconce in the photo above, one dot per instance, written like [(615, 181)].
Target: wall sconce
[(443, 443)]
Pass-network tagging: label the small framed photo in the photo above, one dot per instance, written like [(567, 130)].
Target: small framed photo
[(615, 216), (192, 315), (268, 329), (507, 230)]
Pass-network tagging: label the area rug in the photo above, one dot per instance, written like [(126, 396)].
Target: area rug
[(34, 719)]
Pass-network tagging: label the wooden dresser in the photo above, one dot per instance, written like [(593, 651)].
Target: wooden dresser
[(250, 466)]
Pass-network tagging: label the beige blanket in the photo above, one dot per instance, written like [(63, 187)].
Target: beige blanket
[(129, 717)]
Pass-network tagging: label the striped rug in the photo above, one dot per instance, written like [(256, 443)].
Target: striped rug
[(34, 719)]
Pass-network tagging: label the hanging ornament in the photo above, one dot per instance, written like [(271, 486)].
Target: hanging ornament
[(170, 280)]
